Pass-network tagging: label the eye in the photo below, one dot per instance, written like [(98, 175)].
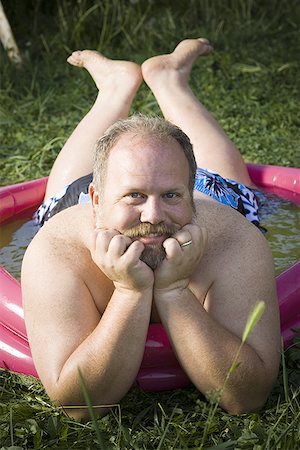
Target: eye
[(171, 195), (135, 195)]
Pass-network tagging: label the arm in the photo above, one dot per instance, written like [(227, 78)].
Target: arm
[(206, 338), (67, 332)]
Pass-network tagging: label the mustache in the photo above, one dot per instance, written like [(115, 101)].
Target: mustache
[(146, 229)]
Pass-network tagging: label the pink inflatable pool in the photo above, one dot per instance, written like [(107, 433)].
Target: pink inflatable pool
[(159, 370)]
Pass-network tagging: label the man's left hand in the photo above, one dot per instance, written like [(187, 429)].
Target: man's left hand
[(184, 251)]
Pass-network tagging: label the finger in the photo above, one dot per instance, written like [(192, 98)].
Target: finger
[(134, 251), (187, 232), (119, 244), (195, 232), (172, 248), (198, 241), (204, 235), (182, 236), (103, 239), (190, 227)]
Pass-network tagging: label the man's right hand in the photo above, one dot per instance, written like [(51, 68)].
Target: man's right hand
[(119, 259)]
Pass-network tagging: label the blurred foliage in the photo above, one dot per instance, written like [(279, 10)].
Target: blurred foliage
[(150, 24), (250, 83)]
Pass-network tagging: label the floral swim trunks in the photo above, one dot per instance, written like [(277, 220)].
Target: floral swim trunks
[(226, 191)]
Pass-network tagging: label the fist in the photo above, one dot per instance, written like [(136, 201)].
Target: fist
[(118, 257), (184, 251)]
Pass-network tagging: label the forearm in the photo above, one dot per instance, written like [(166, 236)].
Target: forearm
[(206, 351), (109, 358)]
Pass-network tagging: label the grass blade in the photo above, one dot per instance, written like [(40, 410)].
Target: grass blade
[(253, 318), (91, 410)]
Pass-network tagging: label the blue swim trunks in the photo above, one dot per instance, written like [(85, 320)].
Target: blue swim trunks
[(226, 191)]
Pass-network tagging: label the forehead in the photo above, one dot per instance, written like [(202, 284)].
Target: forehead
[(147, 159)]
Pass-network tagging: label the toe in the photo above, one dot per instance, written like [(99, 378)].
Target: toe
[(206, 46), (75, 58), (204, 40)]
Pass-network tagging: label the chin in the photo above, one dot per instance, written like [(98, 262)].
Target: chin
[(153, 255)]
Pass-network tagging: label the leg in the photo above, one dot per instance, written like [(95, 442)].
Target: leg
[(167, 76), (118, 81)]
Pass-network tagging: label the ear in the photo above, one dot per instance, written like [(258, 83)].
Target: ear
[(94, 196)]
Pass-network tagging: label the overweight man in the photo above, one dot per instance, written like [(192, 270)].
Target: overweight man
[(165, 230)]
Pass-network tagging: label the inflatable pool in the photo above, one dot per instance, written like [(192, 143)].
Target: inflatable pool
[(159, 369)]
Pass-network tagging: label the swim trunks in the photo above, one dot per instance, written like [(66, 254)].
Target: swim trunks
[(226, 191)]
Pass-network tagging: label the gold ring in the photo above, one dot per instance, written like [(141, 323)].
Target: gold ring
[(185, 244)]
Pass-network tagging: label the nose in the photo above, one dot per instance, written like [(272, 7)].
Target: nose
[(152, 211)]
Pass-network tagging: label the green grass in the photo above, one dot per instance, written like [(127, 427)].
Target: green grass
[(168, 420), (250, 83)]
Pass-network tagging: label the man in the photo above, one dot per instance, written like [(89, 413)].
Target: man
[(148, 248)]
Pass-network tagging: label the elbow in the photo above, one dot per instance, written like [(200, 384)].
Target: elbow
[(246, 401), (76, 413), (69, 406), (73, 405), (77, 410), (82, 414), (246, 397), (237, 408)]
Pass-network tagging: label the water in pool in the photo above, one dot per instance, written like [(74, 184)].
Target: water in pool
[(280, 217), (14, 239)]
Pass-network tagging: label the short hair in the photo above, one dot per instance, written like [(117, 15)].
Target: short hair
[(140, 124)]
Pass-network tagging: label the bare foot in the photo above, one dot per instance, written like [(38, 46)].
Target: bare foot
[(105, 71), (178, 63)]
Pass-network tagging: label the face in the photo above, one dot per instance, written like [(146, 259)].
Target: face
[(146, 195)]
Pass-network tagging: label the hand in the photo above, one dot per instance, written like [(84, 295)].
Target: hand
[(180, 262), (119, 259)]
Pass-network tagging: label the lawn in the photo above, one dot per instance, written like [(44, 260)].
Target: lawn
[(250, 83)]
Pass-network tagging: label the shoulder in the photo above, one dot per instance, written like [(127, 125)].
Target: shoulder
[(225, 225), (72, 226), (58, 262), (237, 251), (63, 243)]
